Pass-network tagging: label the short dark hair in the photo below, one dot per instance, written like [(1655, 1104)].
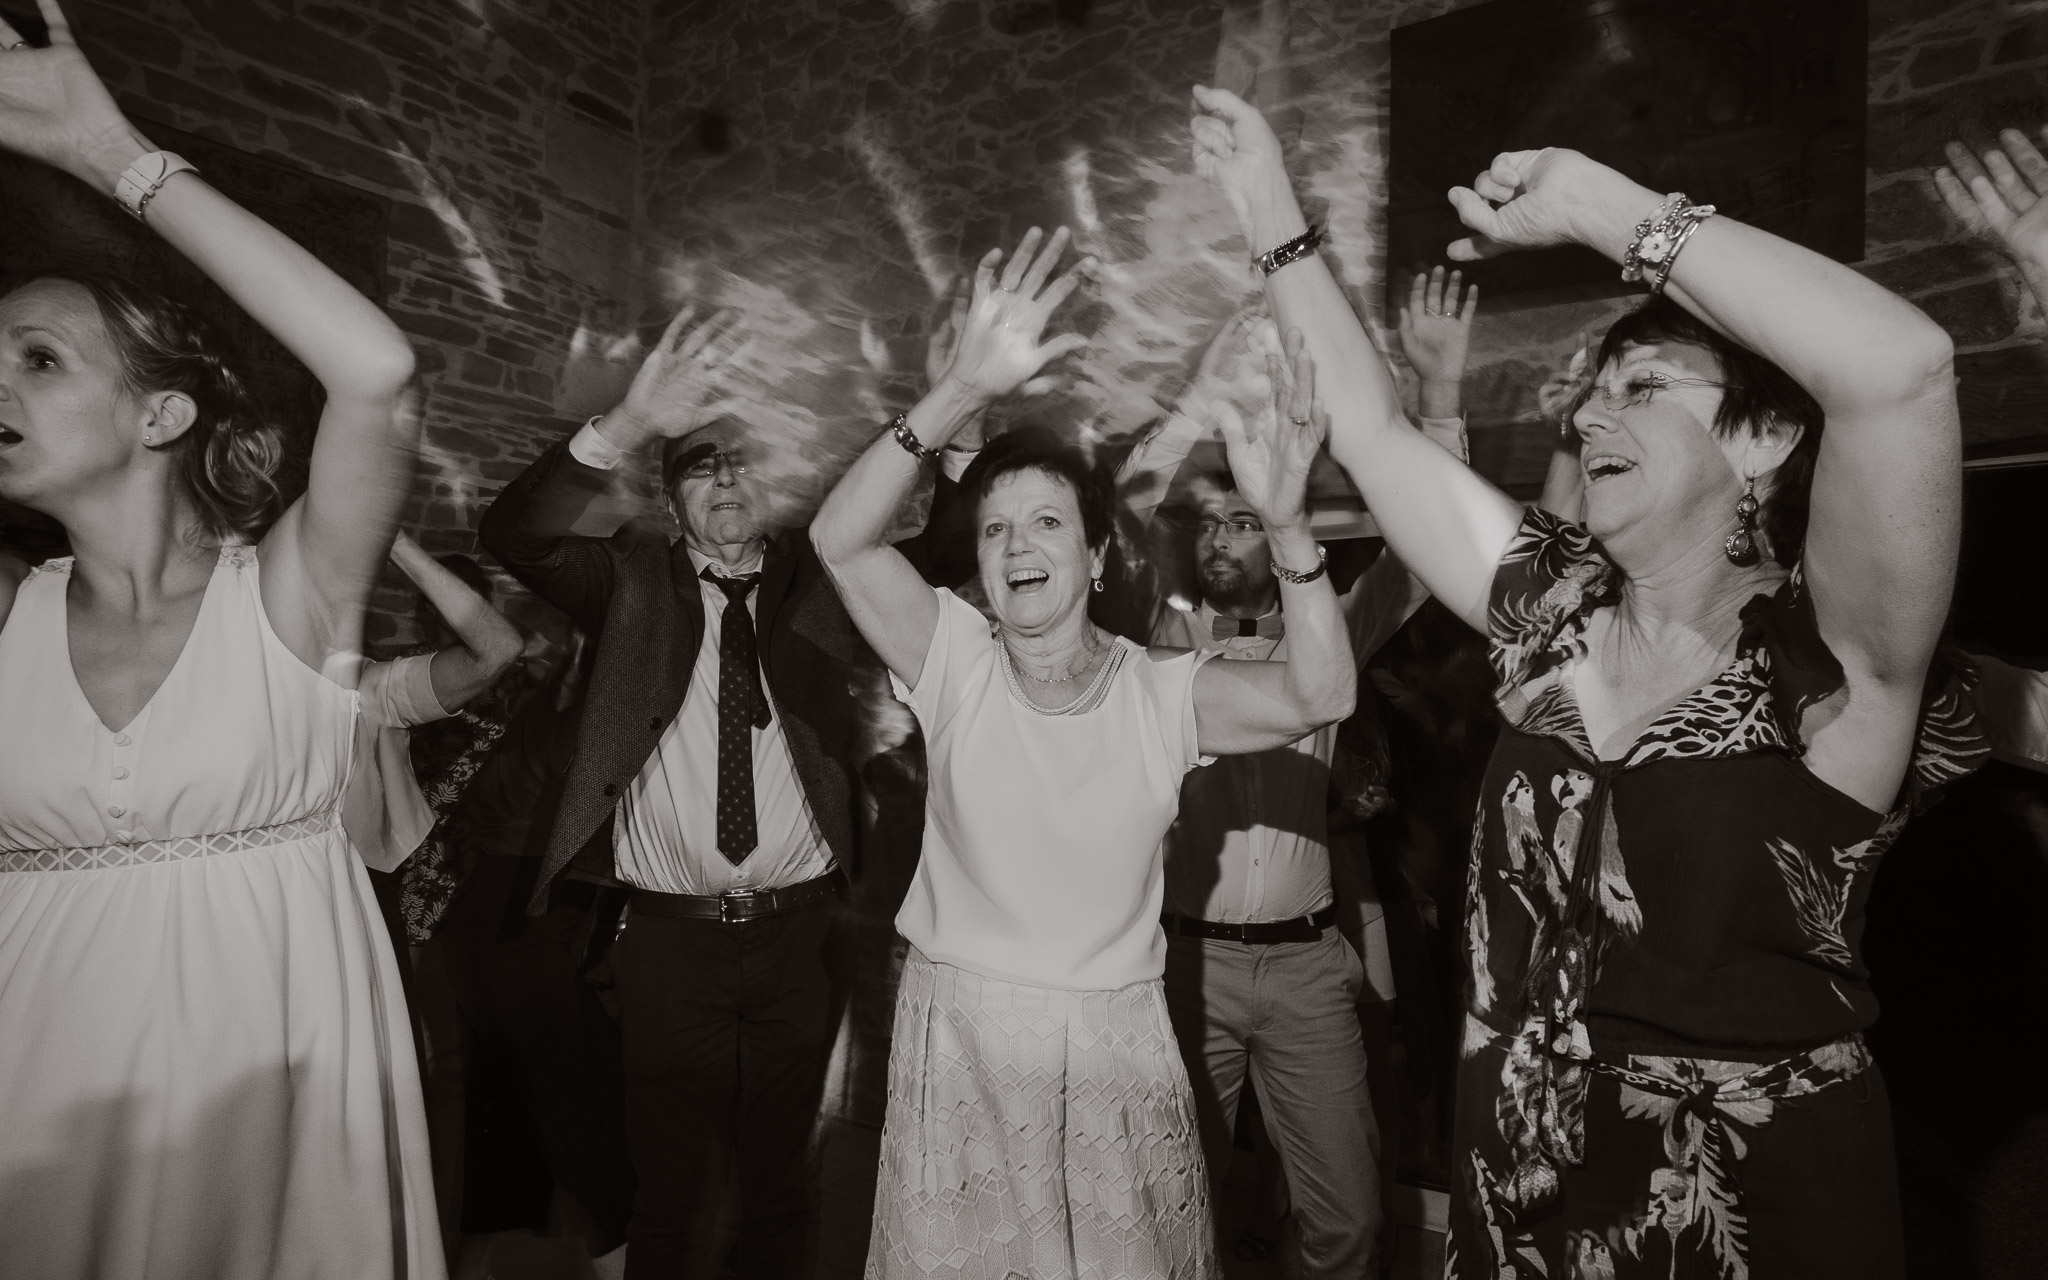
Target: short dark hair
[(1039, 448), (1756, 392)]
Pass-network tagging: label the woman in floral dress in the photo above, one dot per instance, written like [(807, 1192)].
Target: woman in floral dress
[(1721, 698)]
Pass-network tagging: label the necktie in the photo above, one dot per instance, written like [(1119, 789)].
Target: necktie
[(1272, 627), (742, 708)]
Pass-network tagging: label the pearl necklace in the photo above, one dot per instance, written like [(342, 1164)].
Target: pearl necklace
[(1088, 695)]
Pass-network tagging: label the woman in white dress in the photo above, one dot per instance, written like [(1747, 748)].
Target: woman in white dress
[(205, 1067), (1039, 1120)]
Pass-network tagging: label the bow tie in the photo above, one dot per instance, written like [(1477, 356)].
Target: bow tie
[(1270, 627)]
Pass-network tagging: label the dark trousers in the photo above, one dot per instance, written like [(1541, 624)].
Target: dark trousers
[(544, 1065), (727, 1030)]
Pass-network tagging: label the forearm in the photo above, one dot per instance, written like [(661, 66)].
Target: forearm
[(1147, 474), (1321, 677), (351, 347), (860, 512), (1852, 344), (488, 636)]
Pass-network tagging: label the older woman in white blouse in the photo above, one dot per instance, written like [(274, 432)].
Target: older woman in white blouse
[(1039, 1120)]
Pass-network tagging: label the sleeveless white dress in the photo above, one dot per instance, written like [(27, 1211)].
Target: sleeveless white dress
[(205, 1065)]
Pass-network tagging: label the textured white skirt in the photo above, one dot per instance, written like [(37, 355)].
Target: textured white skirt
[(1037, 1132)]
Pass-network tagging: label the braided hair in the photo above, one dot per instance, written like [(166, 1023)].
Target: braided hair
[(230, 457)]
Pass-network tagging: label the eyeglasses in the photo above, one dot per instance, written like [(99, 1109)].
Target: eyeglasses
[(1639, 389), (1209, 527), (706, 466)]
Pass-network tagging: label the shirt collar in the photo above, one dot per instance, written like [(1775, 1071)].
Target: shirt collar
[(699, 562)]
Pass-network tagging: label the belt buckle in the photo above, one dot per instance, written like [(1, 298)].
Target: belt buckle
[(728, 901)]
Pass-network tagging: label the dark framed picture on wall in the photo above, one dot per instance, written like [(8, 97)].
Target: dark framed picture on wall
[(1754, 106)]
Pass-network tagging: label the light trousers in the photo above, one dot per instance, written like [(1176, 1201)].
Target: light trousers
[(1287, 1014)]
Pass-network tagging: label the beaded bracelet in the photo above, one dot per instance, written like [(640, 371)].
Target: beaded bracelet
[(1694, 217), (899, 426), (1632, 262)]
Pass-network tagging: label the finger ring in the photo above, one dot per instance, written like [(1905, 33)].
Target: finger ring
[(1299, 422), (21, 44)]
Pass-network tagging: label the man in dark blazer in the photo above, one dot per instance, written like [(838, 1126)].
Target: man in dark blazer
[(715, 774)]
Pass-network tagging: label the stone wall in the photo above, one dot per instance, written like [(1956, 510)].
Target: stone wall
[(503, 133)]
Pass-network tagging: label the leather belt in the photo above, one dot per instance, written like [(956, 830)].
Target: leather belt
[(1299, 929), (732, 908)]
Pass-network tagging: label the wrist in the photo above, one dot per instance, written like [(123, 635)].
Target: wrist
[(1273, 216), (1291, 542), (1436, 398), (622, 430), (956, 403), (1614, 206), (101, 162)]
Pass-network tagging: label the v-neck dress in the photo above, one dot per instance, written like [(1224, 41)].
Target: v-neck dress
[(205, 1064), (1663, 1072)]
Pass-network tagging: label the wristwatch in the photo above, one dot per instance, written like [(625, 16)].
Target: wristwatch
[(1322, 566)]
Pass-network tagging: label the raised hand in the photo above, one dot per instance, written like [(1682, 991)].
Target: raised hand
[(1233, 356), (676, 379), (1541, 198), (938, 349), (1436, 334), (998, 349), (54, 107), (1237, 150), (1270, 457), (2003, 200)]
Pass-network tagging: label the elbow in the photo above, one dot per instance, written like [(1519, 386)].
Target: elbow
[(501, 648), (830, 544), (1920, 365)]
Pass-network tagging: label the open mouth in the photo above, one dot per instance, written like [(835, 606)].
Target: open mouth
[(725, 506), (9, 435), (1026, 579), (1605, 467)]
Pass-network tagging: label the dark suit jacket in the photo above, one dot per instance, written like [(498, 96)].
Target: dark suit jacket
[(639, 596)]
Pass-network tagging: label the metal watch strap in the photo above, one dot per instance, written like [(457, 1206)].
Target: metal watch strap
[(1290, 251), (1322, 566)]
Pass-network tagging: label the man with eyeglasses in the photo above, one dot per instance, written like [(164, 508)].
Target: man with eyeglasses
[(1259, 981), (714, 774)]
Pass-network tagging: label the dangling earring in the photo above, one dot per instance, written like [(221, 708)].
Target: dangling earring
[(1741, 544), (1098, 584)]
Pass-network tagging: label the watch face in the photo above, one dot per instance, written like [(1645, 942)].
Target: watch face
[(1655, 246)]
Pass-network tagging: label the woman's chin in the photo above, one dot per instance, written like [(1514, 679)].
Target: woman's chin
[(1028, 610)]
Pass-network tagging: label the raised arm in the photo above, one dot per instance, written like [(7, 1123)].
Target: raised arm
[(488, 642), (1255, 706), (1449, 526), (998, 351), (1233, 355), (2003, 201), (1881, 541), (322, 557)]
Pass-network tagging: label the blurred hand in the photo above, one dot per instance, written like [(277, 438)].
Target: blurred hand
[(676, 380), (2003, 200), (1540, 198), (1234, 357), (1436, 335), (1236, 149), (998, 349), (54, 107), (1270, 457), (938, 357)]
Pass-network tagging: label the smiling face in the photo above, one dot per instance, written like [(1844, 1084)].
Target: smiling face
[(1658, 477), (1036, 565), (67, 414), (723, 508)]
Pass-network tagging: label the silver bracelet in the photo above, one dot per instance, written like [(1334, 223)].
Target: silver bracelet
[(1322, 566), (899, 426)]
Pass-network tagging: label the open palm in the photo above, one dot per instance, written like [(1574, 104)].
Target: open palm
[(682, 373), (997, 350), (1270, 457), (2002, 199), (53, 106)]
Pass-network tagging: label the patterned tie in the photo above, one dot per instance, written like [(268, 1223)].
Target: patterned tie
[(742, 708), (1271, 627)]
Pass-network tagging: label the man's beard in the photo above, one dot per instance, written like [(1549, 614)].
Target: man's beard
[(1225, 584)]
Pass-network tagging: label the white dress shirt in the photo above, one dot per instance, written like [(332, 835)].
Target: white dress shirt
[(665, 836)]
